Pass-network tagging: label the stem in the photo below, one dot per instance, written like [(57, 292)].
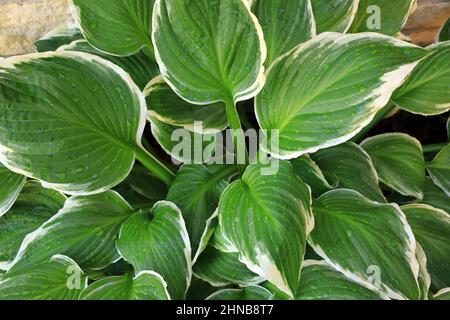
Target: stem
[(238, 136), (154, 165), (269, 286), (434, 148), (378, 118)]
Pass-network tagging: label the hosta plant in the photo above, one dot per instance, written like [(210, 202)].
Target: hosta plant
[(222, 149)]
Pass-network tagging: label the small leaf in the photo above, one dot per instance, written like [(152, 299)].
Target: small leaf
[(444, 33), (444, 294), (221, 269), (147, 285), (58, 278), (335, 15), (267, 218), (34, 206), (352, 168), (118, 27), (439, 170), (86, 229), (328, 89), (368, 242), (159, 241), (199, 290), (321, 282), (209, 51), (58, 37), (435, 197), (285, 24), (431, 228), (399, 161), (246, 293), (10, 186)]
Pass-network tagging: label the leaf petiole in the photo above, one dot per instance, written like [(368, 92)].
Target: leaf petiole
[(154, 165)]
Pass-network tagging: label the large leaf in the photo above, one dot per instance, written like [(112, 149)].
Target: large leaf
[(166, 106), (321, 282), (158, 240), (435, 197), (383, 16), (352, 168), (86, 230), (196, 191), (10, 186), (369, 242), (245, 293), (209, 50), (57, 278), (285, 24), (138, 65), (334, 15), (267, 218), (147, 285), (33, 207), (426, 92), (70, 119), (328, 89), (58, 37), (439, 170), (431, 228), (118, 27), (399, 161), (221, 269)]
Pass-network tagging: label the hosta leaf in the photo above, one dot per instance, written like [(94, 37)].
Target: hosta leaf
[(444, 294), (10, 186), (335, 15), (435, 197), (33, 207), (86, 230), (220, 241), (209, 50), (369, 242), (426, 92), (166, 106), (58, 37), (352, 168), (328, 89), (118, 27), (138, 66), (311, 174), (285, 24), (444, 33), (199, 290), (158, 241), (147, 285), (221, 269), (70, 119), (245, 293), (321, 282), (267, 218), (431, 228), (399, 161), (439, 170), (58, 278), (196, 191), (383, 16)]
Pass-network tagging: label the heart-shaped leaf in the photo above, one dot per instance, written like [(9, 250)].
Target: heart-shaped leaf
[(352, 168), (369, 242), (118, 27), (398, 159), (58, 278), (70, 119), (321, 282), (58, 37), (383, 16), (431, 228), (221, 269), (439, 170), (33, 207), (158, 240), (328, 89), (435, 197), (10, 186), (267, 218), (209, 51), (85, 229), (147, 285), (426, 92), (285, 24), (334, 15), (245, 293)]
